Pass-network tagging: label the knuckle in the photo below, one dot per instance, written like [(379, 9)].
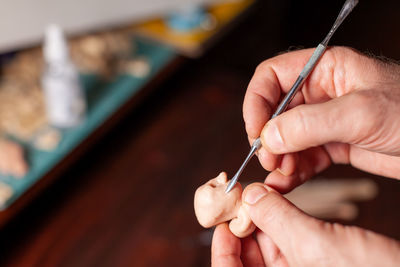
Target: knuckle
[(344, 51), (340, 60), (266, 64)]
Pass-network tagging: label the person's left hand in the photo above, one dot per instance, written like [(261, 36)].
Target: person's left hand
[(286, 236)]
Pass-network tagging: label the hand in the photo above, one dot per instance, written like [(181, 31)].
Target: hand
[(289, 237), (351, 116)]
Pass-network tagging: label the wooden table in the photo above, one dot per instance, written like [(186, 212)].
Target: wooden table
[(128, 200)]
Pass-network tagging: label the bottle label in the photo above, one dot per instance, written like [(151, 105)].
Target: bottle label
[(65, 102)]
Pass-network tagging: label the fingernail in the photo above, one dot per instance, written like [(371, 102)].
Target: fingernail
[(254, 194), (287, 166), (282, 172), (272, 137)]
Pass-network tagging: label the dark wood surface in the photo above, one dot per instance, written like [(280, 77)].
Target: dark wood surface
[(128, 201)]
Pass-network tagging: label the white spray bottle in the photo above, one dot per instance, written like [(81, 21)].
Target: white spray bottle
[(64, 96)]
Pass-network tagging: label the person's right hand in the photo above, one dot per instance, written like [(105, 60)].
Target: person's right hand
[(347, 111)]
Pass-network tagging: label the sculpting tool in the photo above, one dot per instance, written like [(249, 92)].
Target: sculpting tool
[(318, 52)]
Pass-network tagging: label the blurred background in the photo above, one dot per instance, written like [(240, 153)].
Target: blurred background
[(112, 113)]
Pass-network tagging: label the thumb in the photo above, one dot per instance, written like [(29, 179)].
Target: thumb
[(284, 223), (347, 119), (306, 241)]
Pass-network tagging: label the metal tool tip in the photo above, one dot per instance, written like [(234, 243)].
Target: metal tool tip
[(349, 5), (231, 184), (256, 145)]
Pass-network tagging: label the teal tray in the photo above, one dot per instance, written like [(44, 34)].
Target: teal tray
[(104, 99)]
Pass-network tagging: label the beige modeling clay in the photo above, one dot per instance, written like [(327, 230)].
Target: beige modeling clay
[(6, 193), (47, 139), (138, 67), (12, 159), (213, 206)]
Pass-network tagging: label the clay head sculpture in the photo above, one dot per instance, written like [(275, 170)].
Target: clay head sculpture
[(213, 206)]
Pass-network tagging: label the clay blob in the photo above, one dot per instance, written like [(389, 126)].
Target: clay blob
[(12, 160), (213, 206)]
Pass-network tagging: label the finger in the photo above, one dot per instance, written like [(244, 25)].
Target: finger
[(285, 163), (261, 96), (376, 163), (309, 163), (268, 160), (225, 248), (271, 78), (271, 254), (304, 240), (281, 183), (338, 120), (338, 152), (372, 162), (284, 223), (277, 75), (288, 164), (251, 254)]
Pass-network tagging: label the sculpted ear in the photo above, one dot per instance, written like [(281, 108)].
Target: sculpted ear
[(242, 226), (222, 178)]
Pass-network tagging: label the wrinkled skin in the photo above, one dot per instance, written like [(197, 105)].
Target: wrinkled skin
[(347, 112)]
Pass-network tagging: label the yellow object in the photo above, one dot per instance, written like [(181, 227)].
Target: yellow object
[(192, 42)]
